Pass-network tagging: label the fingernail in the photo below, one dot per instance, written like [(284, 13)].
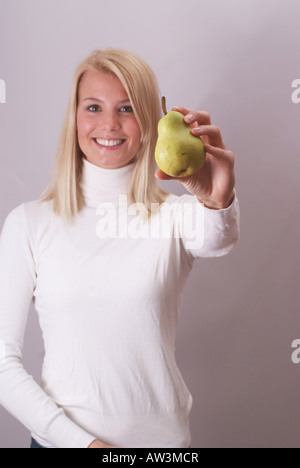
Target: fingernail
[(189, 116)]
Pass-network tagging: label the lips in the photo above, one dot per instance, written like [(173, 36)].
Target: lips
[(108, 143)]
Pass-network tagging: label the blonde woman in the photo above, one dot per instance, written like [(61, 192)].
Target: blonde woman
[(105, 256)]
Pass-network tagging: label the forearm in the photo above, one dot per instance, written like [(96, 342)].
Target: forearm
[(219, 204), (25, 400), (19, 393), (98, 444), (220, 231)]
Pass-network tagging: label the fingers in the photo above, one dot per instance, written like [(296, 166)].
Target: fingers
[(200, 122), (181, 109), (192, 116), (162, 176), (221, 154), (212, 132)]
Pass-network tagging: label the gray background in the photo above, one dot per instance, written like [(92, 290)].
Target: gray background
[(236, 59)]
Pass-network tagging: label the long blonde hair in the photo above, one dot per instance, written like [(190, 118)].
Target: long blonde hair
[(141, 86)]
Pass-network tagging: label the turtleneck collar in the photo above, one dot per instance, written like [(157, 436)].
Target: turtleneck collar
[(100, 185)]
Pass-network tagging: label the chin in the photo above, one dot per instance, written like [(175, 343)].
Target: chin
[(110, 163)]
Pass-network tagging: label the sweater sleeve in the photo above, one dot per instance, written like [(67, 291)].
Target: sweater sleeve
[(208, 233), (19, 393)]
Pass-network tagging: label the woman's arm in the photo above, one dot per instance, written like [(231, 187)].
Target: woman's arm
[(98, 444), (19, 393), (213, 186), (214, 183)]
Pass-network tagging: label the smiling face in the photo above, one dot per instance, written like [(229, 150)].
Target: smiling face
[(108, 133)]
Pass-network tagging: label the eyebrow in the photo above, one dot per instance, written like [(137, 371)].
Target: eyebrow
[(123, 101)]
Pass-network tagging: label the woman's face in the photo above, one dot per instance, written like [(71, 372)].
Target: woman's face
[(108, 133)]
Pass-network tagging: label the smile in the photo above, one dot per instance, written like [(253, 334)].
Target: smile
[(109, 143)]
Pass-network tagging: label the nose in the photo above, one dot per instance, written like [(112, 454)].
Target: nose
[(110, 121)]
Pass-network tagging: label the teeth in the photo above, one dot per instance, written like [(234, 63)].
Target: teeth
[(109, 142)]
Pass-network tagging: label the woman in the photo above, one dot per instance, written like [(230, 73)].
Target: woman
[(108, 300)]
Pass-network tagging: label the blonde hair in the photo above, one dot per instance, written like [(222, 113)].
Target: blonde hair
[(141, 86)]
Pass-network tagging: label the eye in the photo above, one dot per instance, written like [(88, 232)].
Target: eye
[(126, 109), (94, 108)]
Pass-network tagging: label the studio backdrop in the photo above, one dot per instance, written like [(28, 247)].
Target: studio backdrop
[(239, 335)]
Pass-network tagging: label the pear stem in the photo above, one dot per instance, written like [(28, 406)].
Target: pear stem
[(164, 105)]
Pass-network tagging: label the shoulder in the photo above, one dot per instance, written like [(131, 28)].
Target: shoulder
[(30, 211), (37, 210), (27, 216)]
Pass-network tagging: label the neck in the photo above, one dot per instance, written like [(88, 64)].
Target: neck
[(100, 185)]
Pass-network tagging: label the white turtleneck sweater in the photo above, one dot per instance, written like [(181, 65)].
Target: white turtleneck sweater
[(108, 302)]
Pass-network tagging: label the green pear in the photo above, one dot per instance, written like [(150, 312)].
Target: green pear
[(178, 153)]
